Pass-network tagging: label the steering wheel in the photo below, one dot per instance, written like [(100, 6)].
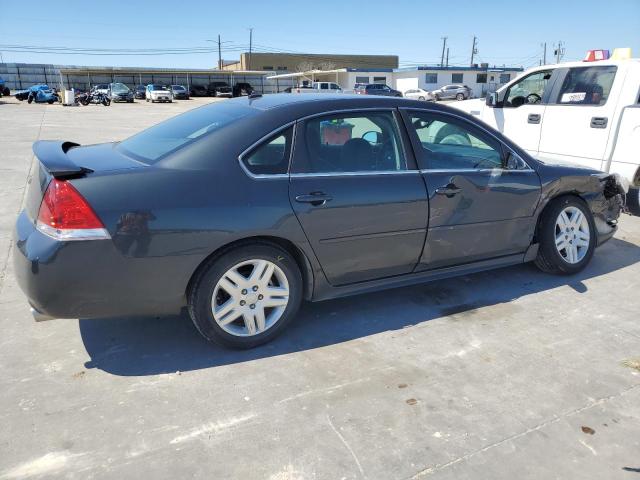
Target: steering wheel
[(534, 98)]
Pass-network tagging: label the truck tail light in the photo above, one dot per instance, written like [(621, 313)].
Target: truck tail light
[(65, 214)]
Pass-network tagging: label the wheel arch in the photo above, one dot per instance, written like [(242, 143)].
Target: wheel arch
[(549, 201), (299, 256)]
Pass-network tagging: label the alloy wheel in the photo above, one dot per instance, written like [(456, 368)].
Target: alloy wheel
[(572, 235), (250, 297)]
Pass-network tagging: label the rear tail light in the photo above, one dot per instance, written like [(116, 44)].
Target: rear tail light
[(65, 214)]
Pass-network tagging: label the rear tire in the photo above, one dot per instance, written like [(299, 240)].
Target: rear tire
[(216, 277), (459, 97), (436, 98), (633, 201), (557, 252), (421, 99)]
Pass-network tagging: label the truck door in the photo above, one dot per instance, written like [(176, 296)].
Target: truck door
[(519, 115), (579, 115)]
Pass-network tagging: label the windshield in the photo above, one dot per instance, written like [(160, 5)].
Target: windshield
[(119, 88), (178, 87), (160, 140), (157, 87)]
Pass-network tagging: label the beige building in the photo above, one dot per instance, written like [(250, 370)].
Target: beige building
[(296, 62)]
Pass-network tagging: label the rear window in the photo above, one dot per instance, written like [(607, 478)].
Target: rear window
[(152, 144), (587, 85)]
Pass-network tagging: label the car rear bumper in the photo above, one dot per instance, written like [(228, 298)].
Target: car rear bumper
[(92, 279)]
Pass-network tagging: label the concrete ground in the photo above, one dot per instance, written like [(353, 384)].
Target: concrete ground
[(510, 374)]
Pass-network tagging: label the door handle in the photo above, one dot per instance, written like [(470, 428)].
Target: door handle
[(534, 118), (314, 198), (599, 122), (448, 190)]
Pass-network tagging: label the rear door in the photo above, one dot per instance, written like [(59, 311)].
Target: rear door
[(358, 195), (482, 196), (578, 118)]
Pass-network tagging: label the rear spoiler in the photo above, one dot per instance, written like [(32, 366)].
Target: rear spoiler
[(53, 157)]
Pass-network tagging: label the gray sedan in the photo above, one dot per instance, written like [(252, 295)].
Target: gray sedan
[(241, 210)]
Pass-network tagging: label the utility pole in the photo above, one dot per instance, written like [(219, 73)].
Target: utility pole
[(473, 49), (250, 46), (219, 53), (544, 55), (447, 56), (559, 53), (444, 45)]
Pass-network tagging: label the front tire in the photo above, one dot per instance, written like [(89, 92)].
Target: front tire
[(459, 97), (567, 236), (246, 296), (633, 201), (436, 98)]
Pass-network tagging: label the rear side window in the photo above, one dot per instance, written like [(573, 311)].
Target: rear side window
[(271, 157), (354, 142), (587, 85)]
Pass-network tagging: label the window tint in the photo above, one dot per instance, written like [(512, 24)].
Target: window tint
[(529, 90), (451, 144), (456, 77), (481, 78), (587, 85), (430, 78), (324, 86), (351, 143), (270, 157)]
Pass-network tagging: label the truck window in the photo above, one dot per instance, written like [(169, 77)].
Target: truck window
[(529, 90), (587, 85), (324, 86)]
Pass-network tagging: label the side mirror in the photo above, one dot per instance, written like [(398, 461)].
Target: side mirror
[(371, 137), (492, 99)]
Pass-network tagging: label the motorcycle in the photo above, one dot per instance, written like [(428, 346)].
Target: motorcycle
[(96, 98)]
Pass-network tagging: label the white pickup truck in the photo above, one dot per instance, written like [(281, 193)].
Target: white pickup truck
[(580, 112), (318, 87)]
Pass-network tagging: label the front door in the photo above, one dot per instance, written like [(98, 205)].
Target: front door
[(481, 202), (520, 113), (358, 196)]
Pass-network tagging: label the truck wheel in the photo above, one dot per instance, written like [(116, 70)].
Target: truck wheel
[(246, 296), (633, 201), (567, 236)]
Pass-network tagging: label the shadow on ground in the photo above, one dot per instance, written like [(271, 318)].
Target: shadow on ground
[(149, 346)]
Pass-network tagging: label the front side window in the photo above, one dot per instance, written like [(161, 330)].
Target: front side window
[(452, 144), (529, 90), (324, 86), (352, 142), (587, 85), (270, 157)]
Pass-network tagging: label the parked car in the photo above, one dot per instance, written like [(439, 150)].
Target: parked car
[(180, 92), (38, 94), (419, 94), (4, 90), (164, 225), (242, 88), (377, 89), (219, 89), (140, 92), (198, 91), (119, 92), (457, 92), (584, 113), (158, 93), (318, 87)]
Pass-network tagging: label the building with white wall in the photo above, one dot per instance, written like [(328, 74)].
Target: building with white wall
[(481, 79)]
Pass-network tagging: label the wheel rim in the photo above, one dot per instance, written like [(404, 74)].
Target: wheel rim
[(250, 298), (572, 235)]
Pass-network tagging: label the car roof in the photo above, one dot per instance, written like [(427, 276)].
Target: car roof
[(319, 102)]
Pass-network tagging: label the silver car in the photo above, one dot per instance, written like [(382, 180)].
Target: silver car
[(459, 92)]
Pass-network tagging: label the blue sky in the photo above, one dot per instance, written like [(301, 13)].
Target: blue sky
[(509, 32)]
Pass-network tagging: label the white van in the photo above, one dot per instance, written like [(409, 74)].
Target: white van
[(580, 112)]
